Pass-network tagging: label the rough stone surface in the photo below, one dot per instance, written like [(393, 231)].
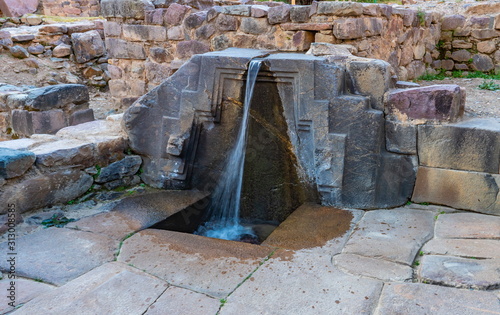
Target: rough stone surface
[(19, 52), (436, 102), (279, 14), (340, 9), (175, 13), (56, 96), (25, 291), (106, 289), (482, 63), (385, 234), (254, 26), (401, 137), (181, 301), (211, 266), (460, 272), (87, 46), (82, 252), (418, 298), (17, 8), (126, 8), (126, 167), (306, 278), (14, 163), (472, 145), (67, 152), (452, 22), (461, 55), (121, 49), (322, 49), (457, 189), (478, 248), (61, 51), (189, 48), (352, 28), (468, 225), (46, 190), (372, 267)]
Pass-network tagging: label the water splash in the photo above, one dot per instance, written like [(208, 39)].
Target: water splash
[(224, 211)]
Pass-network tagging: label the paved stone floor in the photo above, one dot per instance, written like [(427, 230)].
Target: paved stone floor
[(411, 260)]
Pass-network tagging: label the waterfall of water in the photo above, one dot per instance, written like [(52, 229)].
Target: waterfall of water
[(224, 211)]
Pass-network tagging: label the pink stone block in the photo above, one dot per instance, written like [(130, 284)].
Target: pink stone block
[(18, 7)]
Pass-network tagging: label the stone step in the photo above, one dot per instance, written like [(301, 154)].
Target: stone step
[(24, 291), (464, 248), (468, 225)]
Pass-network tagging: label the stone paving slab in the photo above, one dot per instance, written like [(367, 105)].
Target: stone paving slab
[(113, 288), (303, 283), (211, 266), (58, 255), (138, 212), (460, 272), (418, 298), (24, 289), (478, 248), (394, 235), (181, 301), (372, 267), (468, 225), (313, 225)]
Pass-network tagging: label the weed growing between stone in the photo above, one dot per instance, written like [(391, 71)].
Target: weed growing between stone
[(489, 85), (56, 221)]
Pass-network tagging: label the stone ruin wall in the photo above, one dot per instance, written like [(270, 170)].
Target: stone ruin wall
[(147, 43), (72, 8)]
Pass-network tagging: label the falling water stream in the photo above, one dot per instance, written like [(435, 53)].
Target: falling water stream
[(224, 211)]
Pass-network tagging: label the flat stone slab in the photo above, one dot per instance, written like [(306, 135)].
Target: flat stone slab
[(303, 283), (138, 212), (25, 290), (206, 265), (394, 235), (468, 225), (372, 267), (312, 225), (418, 298), (58, 255), (464, 248), (460, 272), (113, 288), (181, 301)]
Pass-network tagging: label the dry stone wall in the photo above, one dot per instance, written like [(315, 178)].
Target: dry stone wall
[(81, 8), (148, 41)]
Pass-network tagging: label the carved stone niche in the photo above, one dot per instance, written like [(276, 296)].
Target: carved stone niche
[(316, 131)]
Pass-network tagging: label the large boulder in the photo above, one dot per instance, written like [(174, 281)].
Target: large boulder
[(18, 8), (14, 163)]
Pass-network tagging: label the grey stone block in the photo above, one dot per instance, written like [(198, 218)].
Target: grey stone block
[(472, 145), (121, 49), (81, 116), (126, 8), (400, 137), (49, 122), (14, 163), (56, 96), (87, 46), (127, 167)]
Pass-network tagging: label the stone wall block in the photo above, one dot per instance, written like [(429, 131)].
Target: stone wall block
[(14, 163)]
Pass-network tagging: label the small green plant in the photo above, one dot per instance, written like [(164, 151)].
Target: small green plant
[(38, 280), (421, 17), (57, 221), (222, 302), (142, 185), (98, 168), (431, 77), (421, 253), (121, 188), (416, 263), (489, 85), (437, 215), (424, 203), (408, 203), (71, 202)]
